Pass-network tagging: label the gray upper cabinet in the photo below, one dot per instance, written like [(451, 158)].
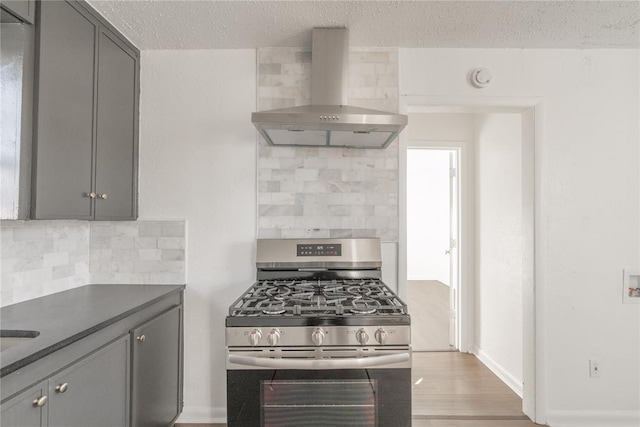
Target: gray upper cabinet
[(63, 176), (24, 10), (157, 371), (86, 106), (116, 133)]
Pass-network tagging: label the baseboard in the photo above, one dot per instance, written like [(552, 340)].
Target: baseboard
[(497, 369), (593, 418), (426, 279), (202, 415)]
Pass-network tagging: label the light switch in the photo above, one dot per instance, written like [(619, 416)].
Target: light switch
[(631, 286)]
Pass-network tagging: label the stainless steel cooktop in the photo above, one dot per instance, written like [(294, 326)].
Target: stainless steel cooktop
[(301, 297), (313, 282)]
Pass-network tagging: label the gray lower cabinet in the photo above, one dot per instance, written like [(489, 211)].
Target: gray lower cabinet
[(91, 392), (86, 106), (126, 374), (25, 10), (28, 409), (157, 371)]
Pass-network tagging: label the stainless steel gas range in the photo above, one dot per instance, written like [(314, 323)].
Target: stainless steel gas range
[(318, 340)]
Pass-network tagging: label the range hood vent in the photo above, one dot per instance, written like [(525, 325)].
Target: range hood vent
[(328, 121)]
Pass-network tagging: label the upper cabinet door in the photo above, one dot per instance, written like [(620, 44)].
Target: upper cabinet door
[(116, 165), (25, 10), (64, 130)]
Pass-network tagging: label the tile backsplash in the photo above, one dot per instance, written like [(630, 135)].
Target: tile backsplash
[(327, 192), (146, 252), (43, 257)]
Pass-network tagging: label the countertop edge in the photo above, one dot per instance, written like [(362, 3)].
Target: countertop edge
[(33, 357)]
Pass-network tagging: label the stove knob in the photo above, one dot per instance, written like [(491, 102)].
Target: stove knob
[(255, 336), (273, 337), (381, 336), (317, 336), (362, 336)]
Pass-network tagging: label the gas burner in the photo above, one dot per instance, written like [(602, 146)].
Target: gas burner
[(359, 291), (365, 306), (280, 292), (272, 307)]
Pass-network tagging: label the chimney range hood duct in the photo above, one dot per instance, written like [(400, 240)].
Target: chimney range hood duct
[(328, 121)]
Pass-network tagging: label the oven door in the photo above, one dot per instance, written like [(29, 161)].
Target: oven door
[(319, 398), (376, 395)]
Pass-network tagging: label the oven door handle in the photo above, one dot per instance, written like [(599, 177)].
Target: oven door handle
[(355, 363)]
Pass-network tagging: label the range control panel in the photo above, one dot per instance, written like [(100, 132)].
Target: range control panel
[(333, 249), (316, 336)]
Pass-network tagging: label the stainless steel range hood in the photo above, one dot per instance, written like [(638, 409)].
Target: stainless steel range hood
[(328, 121)]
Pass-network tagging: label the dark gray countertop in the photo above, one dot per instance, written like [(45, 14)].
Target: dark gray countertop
[(69, 316)]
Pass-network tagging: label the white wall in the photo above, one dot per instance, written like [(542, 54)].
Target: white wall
[(428, 215), (588, 213), (499, 243), (197, 162)]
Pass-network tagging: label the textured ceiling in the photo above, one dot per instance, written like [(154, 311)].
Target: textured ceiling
[(198, 24)]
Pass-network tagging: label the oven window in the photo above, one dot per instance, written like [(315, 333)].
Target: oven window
[(333, 403)]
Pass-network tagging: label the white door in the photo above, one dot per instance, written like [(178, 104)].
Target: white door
[(432, 247)]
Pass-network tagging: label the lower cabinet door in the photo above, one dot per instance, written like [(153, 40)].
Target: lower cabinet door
[(28, 409), (156, 370), (92, 392)]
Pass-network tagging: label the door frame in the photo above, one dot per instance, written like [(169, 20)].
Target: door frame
[(531, 108)]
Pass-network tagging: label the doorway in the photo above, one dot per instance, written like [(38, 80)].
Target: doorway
[(469, 121), (432, 234)]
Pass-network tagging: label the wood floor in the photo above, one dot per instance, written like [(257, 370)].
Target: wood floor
[(452, 389), (428, 303)]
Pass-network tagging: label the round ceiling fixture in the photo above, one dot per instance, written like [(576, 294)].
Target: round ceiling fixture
[(480, 77)]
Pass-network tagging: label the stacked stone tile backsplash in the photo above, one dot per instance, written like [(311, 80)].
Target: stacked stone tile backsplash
[(328, 191), (146, 252), (42, 257)]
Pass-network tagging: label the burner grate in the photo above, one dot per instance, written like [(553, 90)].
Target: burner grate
[(318, 297)]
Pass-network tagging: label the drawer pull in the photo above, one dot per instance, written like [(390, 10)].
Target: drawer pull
[(61, 388), (141, 338)]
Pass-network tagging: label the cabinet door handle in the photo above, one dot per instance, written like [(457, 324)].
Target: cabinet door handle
[(61, 388), (102, 196), (91, 195), (40, 402), (141, 338)]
